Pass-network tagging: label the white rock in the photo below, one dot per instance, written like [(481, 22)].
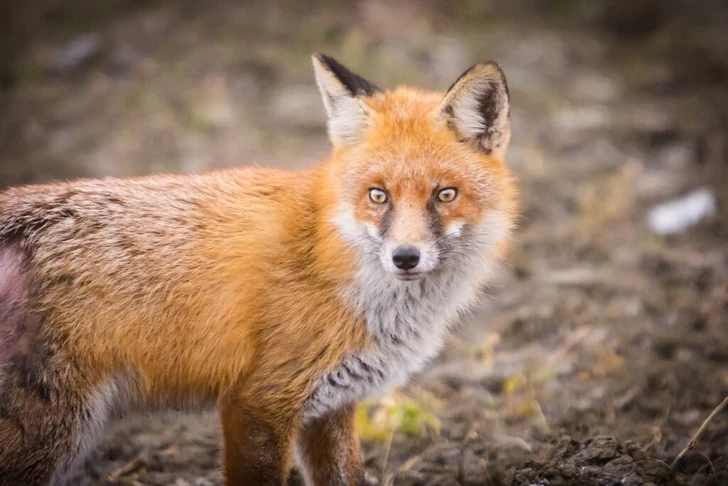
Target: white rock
[(680, 214)]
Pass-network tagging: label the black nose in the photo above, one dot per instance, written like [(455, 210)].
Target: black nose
[(406, 257)]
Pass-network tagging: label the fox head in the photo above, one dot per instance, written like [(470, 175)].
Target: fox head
[(417, 178)]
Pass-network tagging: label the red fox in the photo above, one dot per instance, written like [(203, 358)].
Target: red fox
[(283, 298)]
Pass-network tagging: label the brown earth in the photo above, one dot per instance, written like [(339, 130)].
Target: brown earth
[(603, 346)]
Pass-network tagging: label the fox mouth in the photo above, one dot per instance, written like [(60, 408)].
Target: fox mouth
[(409, 276)]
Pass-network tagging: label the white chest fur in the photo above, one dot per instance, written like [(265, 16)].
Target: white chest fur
[(407, 322)]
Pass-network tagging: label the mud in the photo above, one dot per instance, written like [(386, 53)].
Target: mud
[(597, 461)]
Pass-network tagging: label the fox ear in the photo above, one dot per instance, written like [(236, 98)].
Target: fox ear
[(477, 108), (342, 91)]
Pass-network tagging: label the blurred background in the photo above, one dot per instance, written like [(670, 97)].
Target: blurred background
[(605, 342)]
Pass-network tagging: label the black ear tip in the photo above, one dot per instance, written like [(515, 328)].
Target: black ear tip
[(328, 61), (354, 84)]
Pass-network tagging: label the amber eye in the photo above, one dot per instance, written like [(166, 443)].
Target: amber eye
[(377, 196), (447, 195)]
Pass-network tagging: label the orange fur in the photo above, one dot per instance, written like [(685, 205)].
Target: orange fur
[(227, 286)]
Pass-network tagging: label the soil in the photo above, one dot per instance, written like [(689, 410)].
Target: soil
[(602, 346)]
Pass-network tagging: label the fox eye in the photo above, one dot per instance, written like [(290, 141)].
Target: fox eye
[(447, 195), (377, 196)]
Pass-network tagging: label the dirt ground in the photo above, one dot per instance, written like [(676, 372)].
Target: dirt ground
[(603, 346)]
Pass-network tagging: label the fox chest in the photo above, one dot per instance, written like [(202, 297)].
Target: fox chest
[(364, 375), (407, 330)]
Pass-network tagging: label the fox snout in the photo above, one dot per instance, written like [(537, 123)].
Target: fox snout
[(406, 257), (409, 262), (409, 249)]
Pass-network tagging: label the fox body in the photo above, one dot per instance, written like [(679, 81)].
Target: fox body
[(284, 298)]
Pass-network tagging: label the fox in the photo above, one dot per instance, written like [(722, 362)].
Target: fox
[(283, 298)]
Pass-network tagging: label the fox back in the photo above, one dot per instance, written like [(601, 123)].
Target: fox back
[(283, 297)]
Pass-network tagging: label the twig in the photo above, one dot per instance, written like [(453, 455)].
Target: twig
[(696, 437), (572, 339), (710, 463), (134, 466), (386, 454), (409, 463)]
